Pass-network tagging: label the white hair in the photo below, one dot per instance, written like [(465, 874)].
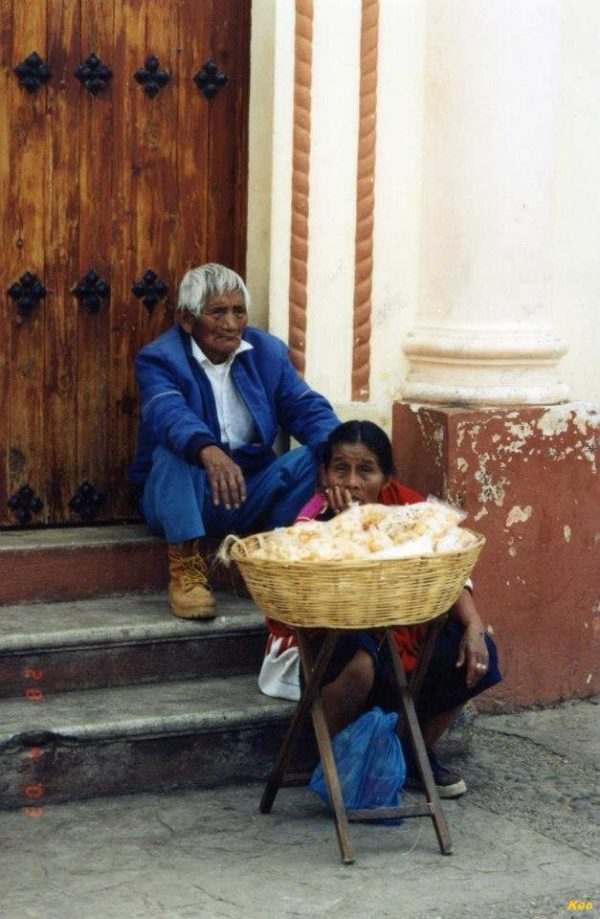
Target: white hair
[(199, 284)]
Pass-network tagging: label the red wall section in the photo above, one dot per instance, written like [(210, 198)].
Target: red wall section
[(529, 479)]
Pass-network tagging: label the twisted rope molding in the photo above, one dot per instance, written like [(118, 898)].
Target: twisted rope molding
[(300, 183), (365, 199)]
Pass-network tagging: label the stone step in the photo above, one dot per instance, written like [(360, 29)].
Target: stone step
[(53, 647), (71, 563), (149, 738)]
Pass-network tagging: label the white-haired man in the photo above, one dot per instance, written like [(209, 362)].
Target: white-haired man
[(214, 392)]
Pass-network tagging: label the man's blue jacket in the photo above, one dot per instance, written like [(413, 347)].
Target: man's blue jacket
[(178, 408)]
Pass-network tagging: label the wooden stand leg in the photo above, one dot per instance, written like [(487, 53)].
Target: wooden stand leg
[(414, 730), (299, 717), (327, 759)]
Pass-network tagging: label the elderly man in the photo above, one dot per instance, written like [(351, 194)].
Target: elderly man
[(213, 393)]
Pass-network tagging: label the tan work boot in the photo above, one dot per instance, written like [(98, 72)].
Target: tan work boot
[(189, 596)]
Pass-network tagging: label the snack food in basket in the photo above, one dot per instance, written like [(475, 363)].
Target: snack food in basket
[(372, 531)]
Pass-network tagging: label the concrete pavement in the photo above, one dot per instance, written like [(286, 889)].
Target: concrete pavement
[(526, 845)]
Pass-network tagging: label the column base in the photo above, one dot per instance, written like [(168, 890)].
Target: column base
[(529, 480), (503, 365)]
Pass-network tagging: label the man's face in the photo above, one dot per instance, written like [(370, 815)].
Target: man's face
[(219, 328)]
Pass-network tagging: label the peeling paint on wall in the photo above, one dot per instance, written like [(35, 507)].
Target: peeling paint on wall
[(522, 437), (587, 421), (560, 455), (554, 421), (521, 433), (433, 436), (489, 490), (586, 416), (590, 456), (518, 515), (462, 429), (461, 464), (567, 533)]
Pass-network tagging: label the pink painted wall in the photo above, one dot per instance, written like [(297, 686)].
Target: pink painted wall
[(529, 481)]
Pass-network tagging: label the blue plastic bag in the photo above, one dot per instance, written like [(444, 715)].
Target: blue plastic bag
[(370, 763)]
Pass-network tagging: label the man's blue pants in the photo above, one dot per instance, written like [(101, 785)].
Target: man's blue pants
[(177, 502)]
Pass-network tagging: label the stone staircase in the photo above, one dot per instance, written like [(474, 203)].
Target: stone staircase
[(103, 691)]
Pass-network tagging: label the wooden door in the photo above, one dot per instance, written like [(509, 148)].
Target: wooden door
[(123, 162)]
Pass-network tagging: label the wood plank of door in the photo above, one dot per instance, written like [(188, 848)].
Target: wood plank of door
[(228, 155), (61, 245), (97, 206), (28, 149)]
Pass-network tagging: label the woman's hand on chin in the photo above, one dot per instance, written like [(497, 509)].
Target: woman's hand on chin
[(338, 498)]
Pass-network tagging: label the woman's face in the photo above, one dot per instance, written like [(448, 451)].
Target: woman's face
[(354, 473)]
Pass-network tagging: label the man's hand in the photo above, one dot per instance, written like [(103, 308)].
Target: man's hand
[(226, 479)]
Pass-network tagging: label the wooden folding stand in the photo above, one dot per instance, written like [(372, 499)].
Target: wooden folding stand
[(407, 728)]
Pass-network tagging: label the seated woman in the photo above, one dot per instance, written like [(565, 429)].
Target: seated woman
[(357, 466)]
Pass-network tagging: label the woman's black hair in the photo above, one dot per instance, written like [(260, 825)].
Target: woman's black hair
[(361, 432)]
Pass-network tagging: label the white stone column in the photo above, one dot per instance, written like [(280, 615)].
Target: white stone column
[(483, 333)]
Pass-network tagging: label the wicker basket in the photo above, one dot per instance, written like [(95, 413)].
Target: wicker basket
[(354, 594)]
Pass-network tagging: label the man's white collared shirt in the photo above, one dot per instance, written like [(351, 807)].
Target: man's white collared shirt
[(235, 421)]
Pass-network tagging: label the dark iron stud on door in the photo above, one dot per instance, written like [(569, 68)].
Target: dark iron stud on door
[(210, 79), (27, 293), (86, 502), (25, 503), (32, 72), (152, 77), (150, 290), (94, 75), (91, 290)]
